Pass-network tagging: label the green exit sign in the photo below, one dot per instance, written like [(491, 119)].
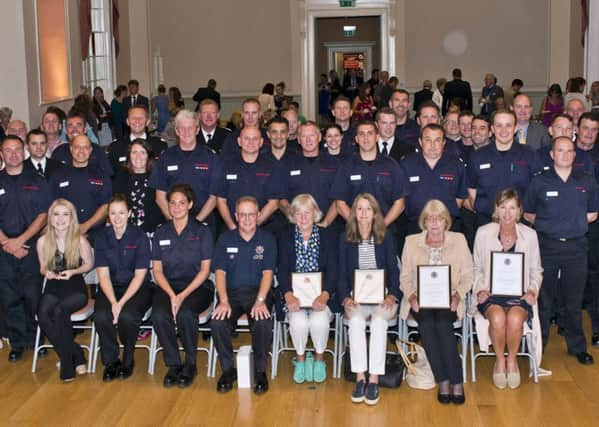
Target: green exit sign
[(347, 3)]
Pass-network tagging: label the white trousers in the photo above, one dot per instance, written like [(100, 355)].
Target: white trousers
[(314, 323), (379, 317)]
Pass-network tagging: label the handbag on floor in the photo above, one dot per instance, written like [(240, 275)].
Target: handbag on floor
[(419, 374), (395, 369)]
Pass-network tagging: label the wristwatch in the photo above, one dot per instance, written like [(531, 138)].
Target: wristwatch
[(260, 299)]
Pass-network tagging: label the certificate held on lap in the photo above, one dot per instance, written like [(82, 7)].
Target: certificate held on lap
[(306, 287), (369, 286), (507, 273), (434, 286)]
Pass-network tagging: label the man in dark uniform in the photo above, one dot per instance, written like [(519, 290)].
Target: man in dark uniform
[(37, 144), (458, 91), (208, 92), (342, 113), (137, 120), (24, 202), (560, 203), (244, 263), (407, 129), (429, 113), (251, 115)]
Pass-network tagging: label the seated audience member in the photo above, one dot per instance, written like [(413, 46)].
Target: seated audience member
[(500, 319), (133, 182), (306, 248), (122, 253), (436, 245), (244, 262), (181, 256), (65, 256), (366, 245)]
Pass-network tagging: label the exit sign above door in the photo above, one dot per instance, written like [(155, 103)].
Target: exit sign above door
[(347, 3)]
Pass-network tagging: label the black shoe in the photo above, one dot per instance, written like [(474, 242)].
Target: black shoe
[(126, 371), (172, 376), (561, 331), (414, 337), (15, 355), (111, 371), (226, 380), (585, 358), (595, 340), (444, 398), (260, 383), (458, 399), (187, 375), (42, 352)]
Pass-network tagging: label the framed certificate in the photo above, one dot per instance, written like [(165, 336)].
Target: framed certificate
[(369, 286), (507, 273), (306, 287), (434, 286)]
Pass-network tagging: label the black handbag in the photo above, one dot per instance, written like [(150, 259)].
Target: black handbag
[(394, 370)]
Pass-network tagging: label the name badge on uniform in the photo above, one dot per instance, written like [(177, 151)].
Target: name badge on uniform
[(485, 166), (414, 179), (232, 250), (172, 168), (164, 242), (123, 159), (231, 177), (546, 168), (295, 173), (64, 184), (552, 194), (2, 191), (355, 177)]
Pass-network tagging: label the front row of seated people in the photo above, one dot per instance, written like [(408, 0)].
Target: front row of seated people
[(244, 261)]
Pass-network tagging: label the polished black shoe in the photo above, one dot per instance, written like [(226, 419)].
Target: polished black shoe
[(585, 358), (595, 340), (187, 376), (15, 355), (226, 380), (444, 398), (260, 383), (561, 331), (111, 371), (458, 399), (126, 371), (42, 352), (172, 376)]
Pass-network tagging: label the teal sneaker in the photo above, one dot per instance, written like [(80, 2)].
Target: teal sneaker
[(320, 371), (299, 371), (309, 369)]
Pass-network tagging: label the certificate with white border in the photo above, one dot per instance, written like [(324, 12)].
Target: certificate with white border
[(507, 273), (369, 286), (306, 287), (434, 286)]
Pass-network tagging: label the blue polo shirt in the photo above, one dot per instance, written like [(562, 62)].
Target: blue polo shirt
[(311, 175), (561, 207), (490, 171), (244, 262), (237, 178), (182, 254), (22, 198), (198, 168), (87, 188), (583, 160), (381, 177), (98, 157), (122, 256), (445, 182), (409, 132), (231, 146)]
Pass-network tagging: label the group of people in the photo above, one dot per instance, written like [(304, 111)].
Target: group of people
[(256, 204)]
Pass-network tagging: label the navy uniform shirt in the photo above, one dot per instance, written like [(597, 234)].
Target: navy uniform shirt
[(348, 145), (87, 188), (382, 177), (237, 178), (583, 160), (122, 256), (231, 146), (244, 262), (22, 198), (97, 158), (182, 254), (490, 171), (198, 168), (311, 175), (119, 150), (409, 132), (445, 182), (561, 207)]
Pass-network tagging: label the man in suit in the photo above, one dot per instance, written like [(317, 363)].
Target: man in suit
[(388, 144), (458, 91), (210, 133), (426, 94), (208, 92), (490, 94), (351, 82), (37, 144), (134, 98), (533, 134)]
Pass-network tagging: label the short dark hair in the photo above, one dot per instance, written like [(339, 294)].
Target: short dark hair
[(139, 107), (184, 189), (36, 132), (508, 112), (385, 110), (456, 73), (588, 116), (517, 82), (402, 91), (209, 101), (133, 82), (120, 198), (279, 120), (433, 127), (563, 116), (428, 104), (269, 88), (341, 98), (332, 125), (393, 80), (74, 113), (483, 118), (465, 113), (366, 123), (13, 137), (212, 83), (58, 112)]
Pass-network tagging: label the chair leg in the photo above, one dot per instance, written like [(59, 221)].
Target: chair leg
[(210, 357), (472, 357), (95, 352), (464, 349), (92, 340), (275, 349), (36, 349), (153, 351)]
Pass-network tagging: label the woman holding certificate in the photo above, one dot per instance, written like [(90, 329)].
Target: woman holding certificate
[(436, 275), (507, 279), (367, 258), (306, 275)]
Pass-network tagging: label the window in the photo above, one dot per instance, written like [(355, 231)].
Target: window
[(98, 68)]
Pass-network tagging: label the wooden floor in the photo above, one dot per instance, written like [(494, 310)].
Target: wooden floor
[(569, 398)]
